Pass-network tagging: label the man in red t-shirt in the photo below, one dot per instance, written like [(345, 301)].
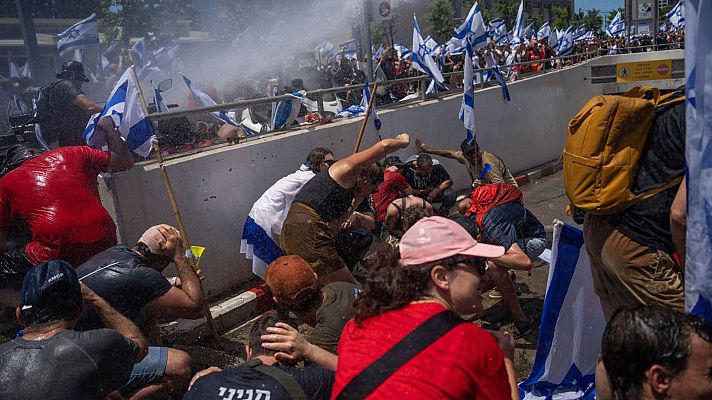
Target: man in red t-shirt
[(55, 195), (394, 186)]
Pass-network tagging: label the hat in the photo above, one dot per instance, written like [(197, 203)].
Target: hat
[(393, 161), (153, 237), (288, 276), (469, 146), (73, 70), (436, 238), (52, 274)]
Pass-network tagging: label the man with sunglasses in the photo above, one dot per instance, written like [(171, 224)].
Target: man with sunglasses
[(327, 308), (130, 279)]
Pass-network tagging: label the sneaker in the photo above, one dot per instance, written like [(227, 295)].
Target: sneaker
[(495, 294), (523, 326)]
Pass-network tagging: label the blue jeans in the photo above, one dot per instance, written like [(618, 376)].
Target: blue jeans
[(149, 370)]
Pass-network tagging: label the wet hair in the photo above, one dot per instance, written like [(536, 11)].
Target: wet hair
[(316, 158), (372, 173), (391, 286), (16, 155), (259, 328), (424, 159), (55, 306), (638, 337), (413, 214)]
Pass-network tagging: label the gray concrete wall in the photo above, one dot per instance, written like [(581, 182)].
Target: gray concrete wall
[(215, 189)]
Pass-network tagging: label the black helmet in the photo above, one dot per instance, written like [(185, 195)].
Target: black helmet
[(73, 70)]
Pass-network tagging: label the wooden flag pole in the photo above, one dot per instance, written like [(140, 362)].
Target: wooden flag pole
[(174, 203), (365, 118)]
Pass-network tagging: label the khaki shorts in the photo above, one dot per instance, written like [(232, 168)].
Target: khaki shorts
[(307, 235), (627, 273)]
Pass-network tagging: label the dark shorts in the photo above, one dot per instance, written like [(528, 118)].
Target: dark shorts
[(149, 370)]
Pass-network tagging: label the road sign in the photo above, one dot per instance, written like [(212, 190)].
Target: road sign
[(644, 71), (382, 10)]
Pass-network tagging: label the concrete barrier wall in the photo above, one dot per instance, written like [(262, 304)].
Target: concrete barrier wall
[(215, 189)]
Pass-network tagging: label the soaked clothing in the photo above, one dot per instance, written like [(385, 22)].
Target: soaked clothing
[(68, 120), (332, 315), (325, 196), (69, 365), (56, 195), (119, 276), (316, 383)]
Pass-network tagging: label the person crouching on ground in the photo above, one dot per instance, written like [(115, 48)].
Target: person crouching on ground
[(399, 316)]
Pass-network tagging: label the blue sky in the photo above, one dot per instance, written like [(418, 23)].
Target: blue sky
[(603, 5)]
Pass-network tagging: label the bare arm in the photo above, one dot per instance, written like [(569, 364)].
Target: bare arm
[(439, 189), (188, 301), (438, 152), (678, 222), (121, 158), (346, 171), (392, 217), (114, 320), (514, 258), (292, 346), (506, 343), (83, 102)]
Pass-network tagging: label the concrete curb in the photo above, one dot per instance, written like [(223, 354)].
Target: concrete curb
[(234, 311)]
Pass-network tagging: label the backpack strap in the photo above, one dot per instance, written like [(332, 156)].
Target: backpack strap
[(652, 192), (287, 381), (405, 350)]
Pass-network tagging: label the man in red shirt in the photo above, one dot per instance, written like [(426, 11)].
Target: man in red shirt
[(55, 195), (394, 186), (438, 275)]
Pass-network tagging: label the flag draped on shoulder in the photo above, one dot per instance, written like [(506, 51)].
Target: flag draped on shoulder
[(421, 56), (617, 26), (698, 268), (81, 35), (204, 100), (572, 325), (125, 107)]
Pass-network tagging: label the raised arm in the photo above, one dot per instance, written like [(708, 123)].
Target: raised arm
[(121, 158), (345, 172), (438, 152)]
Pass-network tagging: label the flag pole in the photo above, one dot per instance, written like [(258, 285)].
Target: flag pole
[(365, 118), (172, 198)]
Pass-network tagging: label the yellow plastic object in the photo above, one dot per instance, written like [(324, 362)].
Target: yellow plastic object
[(197, 253)]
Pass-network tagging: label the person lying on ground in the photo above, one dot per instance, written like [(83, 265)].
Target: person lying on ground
[(394, 216), (436, 279), (130, 279), (49, 359), (55, 194), (497, 216), (326, 202), (264, 375), (267, 215), (653, 352), (432, 183), (327, 308)]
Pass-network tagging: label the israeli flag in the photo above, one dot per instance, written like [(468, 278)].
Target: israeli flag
[(81, 35), (579, 32), (677, 15), (25, 70), (566, 43), (617, 26), (472, 30), (544, 32), (125, 107), (498, 28), (572, 325), (587, 37), (204, 100), (378, 53), (421, 56), (264, 222), (467, 108), (698, 72), (140, 51), (454, 46), (358, 110), (161, 105), (403, 51), (325, 49), (529, 30), (554, 39), (518, 30), (166, 55), (502, 83), (13, 68)]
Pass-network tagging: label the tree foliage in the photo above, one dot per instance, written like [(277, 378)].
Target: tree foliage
[(612, 14), (123, 19), (593, 20), (441, 20), (560, 17), (505, 9)]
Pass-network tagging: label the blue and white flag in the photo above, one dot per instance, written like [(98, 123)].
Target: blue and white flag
[(166, 56), (25, 70), (403, 51), (264, 222), (325, 49), (472, 30), (587, 37), (422, 56), (617, 26), (698, 74), (554, 39), (572, 325), (125, 107), (81, 35), (378, 53), (566, 43), (161, 105), (544, 32), (358, 110), (518, 30), (529, 31), (579, 32), (677, 15), (140, 51), (467, 108), (498, 28), (502, 83), (12, 66), (204, 100)]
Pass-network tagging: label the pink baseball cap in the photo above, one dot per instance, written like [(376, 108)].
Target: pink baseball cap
[(436, 238)]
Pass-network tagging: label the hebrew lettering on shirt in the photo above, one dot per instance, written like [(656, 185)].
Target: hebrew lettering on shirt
[(243, 394)]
